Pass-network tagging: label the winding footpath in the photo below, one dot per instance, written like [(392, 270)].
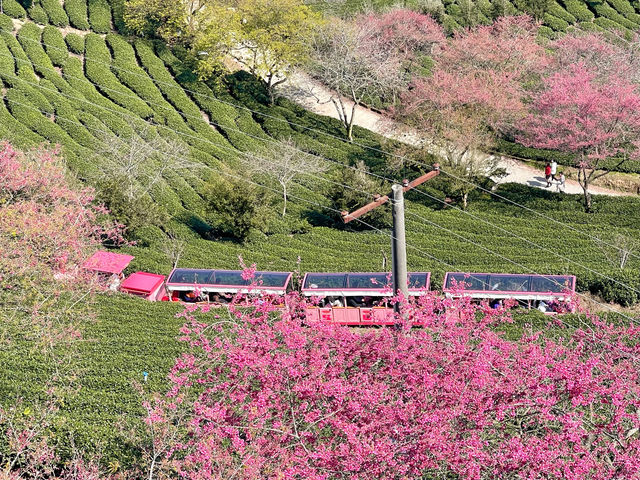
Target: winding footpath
[(315, 97)]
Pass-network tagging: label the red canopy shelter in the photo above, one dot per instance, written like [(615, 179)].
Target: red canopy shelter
[(108, 262)]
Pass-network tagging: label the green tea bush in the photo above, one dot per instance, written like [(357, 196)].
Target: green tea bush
[(620, 293), (117, 7), (55, 12), (17, 52), (97, 60), (605, 11), (134, 77), (77, 12), (38, 14), (546, 32), (556, 9), (55, 45), (13, 9), (623, 7), (579, 10), (6, 23), (555, 23), (99, 16), (590, 27), (75, 43), (610, 25)]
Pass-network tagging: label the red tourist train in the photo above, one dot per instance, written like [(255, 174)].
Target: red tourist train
[(343, 298)]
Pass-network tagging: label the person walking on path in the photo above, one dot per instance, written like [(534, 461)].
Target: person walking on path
[(554, 170), (547, 174), (561, 183)]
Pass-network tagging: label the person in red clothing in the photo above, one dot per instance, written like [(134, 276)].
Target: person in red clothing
[(547, 174)]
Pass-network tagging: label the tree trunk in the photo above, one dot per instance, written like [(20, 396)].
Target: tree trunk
[(465, 199), (583, 180), (284, 198), (350, 128)]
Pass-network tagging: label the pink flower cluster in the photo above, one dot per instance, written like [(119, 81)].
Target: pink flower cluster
[(269, 397)]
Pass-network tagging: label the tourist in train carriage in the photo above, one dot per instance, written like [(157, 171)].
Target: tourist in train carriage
[(190, 297), (496, 303)]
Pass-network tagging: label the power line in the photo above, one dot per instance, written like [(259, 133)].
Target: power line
[(368, 147), (305, 153), (383, 233)]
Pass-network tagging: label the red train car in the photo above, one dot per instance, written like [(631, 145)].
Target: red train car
[(548, 293), (356, 298), (219, 286)]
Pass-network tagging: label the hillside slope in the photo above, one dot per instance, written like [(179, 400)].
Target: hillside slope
[(75, 85)]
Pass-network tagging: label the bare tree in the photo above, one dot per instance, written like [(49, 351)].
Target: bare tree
[(141, 160), (173, 248), (619, 249), (284, 162), (351, 62)]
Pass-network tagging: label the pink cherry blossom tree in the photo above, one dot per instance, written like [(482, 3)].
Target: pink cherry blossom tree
[(594, 114), (270, 397), (371, 57), (475, 93)]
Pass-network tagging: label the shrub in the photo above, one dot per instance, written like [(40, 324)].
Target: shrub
[(557, 10), (38, 14), (99, 16), (6, 23), (77, 12), (54, 45), (606, 11), (579, 10), (610, 25), (546, 32), (142, 211), (55, 12), (237, 209), (623, 7), (75, 43), (590, 27), (13, 9), (555, 23), (97, 60), (620, 293)]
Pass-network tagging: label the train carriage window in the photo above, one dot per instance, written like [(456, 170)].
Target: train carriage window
[(509, 283), (417, 280), (368, 280), (271, 279), (468, 281), (550, 283), (191, 276), (325, 280), (227, 277)]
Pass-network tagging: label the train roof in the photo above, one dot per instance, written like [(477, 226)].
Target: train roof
[(489, 285), (228, 280), (357, 284), (107, 262), (142, 283)]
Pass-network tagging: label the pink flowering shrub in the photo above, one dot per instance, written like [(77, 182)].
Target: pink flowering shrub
[(48, 225), (266, 396)]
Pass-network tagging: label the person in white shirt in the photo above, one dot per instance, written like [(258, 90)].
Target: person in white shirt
[(554, 170), (561, 183)]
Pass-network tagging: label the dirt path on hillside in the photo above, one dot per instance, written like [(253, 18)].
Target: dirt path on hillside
[(315, 97)]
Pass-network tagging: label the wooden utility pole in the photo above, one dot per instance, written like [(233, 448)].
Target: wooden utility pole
[(398, 236)]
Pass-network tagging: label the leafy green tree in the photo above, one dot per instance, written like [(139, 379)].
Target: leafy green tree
[(275, 38), (237, 209)]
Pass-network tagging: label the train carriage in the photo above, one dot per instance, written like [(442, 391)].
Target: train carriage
[(356, 298), (219, 286), (549, 293)]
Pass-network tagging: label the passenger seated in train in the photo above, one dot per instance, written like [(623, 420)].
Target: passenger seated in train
[(190, 297), (496, 303), (217, 297), (332, 302)]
